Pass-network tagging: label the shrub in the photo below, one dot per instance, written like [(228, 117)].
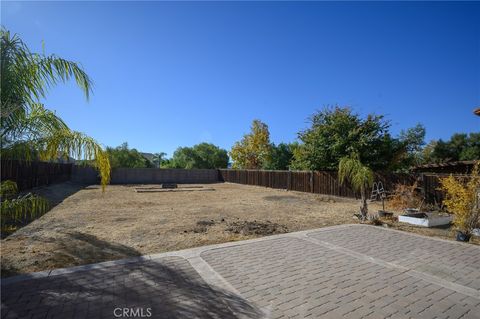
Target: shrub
[(404, 196), (462, 198)]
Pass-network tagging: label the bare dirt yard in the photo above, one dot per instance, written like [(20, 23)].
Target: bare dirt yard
[(88, 226)]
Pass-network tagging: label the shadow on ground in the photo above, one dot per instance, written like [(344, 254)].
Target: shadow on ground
[(73, 249), (57, 193), (166, 288), (54, 193)]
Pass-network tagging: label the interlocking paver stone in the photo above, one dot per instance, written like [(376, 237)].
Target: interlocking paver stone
[(350, 272), (169, 286), (327, 283), (447, 260)]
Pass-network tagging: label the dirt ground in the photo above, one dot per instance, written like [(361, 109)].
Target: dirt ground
[(88, 226)]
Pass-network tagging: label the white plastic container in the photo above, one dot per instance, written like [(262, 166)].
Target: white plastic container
[(426, 219)]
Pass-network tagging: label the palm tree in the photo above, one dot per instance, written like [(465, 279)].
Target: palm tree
[(158, 159), (360, 177), (28, 130)]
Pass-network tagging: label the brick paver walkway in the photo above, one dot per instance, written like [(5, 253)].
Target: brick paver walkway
[(340, 272), (170, 287), (448, 260)]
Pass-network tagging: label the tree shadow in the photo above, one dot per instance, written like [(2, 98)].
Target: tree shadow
[(54, 193), (165, 288), (76, 248), (57, 193)]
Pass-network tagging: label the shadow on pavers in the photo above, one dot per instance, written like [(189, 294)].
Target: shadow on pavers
[(165, 288)]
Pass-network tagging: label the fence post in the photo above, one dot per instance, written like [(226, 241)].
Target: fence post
[(311, 181), (289, 180)]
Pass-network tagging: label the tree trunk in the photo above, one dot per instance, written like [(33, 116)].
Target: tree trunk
[(364, 208)]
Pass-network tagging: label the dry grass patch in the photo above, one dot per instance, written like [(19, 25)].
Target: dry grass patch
[(90, 226)]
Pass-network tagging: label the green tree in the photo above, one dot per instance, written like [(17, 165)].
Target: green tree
[(166, 163), (122, 156), (254, 150), (460, 147), (337, 132), (281, 156), (158, 159), (28, 130), (411, 143), (360, 177), (203, 155)]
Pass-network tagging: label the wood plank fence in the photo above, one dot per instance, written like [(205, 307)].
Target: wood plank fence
[(430, 183), (33, 174), (319, 182)]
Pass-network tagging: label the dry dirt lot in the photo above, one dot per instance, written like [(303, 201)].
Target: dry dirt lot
[(89, 226)]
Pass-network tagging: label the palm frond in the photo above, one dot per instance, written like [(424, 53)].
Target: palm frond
[(8, 188), (23, 208), (32, 124), (20, 208), (77, 145), (351, 168), (28, 130), (26, 76)]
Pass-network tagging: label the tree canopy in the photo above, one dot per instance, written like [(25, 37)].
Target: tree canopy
[(460, 147), (254, 150), (123, 156), (337, 132), (281, 156), (203, 155)]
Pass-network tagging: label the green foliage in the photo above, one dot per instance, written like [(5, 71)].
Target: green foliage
[(281, 156), (203, 155), (8, 188), (28, 130), (411, 142), (122, 156), (16, 209), (360, 177), (254, 150), (337, 132), (167, 163), (460, 147), (159, 159)]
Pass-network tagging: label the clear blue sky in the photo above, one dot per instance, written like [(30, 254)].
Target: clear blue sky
[(176, 74)]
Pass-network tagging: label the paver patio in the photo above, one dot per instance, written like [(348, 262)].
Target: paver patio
[(350, 271)]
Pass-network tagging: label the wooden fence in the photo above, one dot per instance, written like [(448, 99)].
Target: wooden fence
[(430, 184), (163, 175), (32, 174), (319, 182)]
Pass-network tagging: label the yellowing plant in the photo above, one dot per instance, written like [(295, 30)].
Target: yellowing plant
[(462, 199)]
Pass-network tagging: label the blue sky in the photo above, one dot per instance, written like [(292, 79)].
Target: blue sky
[(175, 74)]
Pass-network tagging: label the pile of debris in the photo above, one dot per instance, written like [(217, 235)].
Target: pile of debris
[(256, 228)]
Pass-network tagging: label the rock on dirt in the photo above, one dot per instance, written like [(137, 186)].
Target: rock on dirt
[(256, 228)]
